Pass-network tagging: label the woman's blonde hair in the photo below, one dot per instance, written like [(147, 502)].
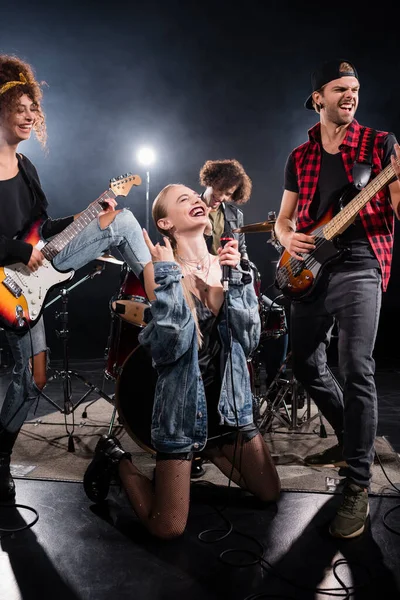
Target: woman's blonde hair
[(159, 211)]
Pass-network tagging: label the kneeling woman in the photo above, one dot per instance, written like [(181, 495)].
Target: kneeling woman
[(199, 346)]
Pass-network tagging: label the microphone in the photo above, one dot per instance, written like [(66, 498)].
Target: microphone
[(226, 270)]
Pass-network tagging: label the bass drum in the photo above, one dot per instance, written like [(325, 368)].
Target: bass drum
[(135, 408), (134, 397)]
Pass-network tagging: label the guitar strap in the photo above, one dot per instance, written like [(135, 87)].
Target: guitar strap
[(25, 175), (363, 163)]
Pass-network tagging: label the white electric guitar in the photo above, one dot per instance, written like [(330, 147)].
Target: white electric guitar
[(23, 292)]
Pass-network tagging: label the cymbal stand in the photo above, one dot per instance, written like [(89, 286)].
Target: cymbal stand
[(105, 378), (123, 273), (281, 394), (66, 374)]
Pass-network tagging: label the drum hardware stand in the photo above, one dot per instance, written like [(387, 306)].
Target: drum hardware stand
[(106, 352), (280, 393), (85, 414), (65, 374)]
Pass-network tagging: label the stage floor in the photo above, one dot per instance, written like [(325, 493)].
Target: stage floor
[(76, 551)]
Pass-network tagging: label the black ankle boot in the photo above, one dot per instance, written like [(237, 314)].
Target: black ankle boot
[(7, 485), (197, 469), (98, 475)]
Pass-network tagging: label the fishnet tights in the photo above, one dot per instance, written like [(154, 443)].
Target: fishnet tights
[(249, 465), (164, 509)]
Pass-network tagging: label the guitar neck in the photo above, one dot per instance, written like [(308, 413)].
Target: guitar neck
[(346, 216), (52, 248)]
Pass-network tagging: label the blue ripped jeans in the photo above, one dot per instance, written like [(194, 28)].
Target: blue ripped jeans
[(124, 233)]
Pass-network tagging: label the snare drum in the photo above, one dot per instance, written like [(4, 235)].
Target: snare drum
[(128, 304)]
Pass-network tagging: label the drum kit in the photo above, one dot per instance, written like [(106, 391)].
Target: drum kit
[(129, 366)]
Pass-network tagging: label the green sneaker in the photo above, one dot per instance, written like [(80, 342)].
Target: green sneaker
[(351, 516), (331, 457)]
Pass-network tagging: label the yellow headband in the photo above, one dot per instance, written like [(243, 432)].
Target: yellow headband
[(10, 84)]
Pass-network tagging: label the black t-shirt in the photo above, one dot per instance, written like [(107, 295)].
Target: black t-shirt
[(22, 201), (16, 205), (331, 184)]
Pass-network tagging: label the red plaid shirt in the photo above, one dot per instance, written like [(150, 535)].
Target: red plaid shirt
[(377, 216)]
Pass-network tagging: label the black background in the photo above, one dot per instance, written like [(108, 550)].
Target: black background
[(195, 81)]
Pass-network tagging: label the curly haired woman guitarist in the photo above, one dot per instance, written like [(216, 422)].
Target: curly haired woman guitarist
[(23, 203)]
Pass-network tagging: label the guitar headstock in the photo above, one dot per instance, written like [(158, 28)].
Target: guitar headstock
[(121, 186)]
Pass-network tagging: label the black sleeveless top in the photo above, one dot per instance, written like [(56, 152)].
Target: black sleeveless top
[(210, 361)]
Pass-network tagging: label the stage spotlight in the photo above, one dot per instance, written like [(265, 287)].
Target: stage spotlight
[(146, 157)]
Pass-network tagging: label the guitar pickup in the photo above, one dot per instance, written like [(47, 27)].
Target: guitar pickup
[(13, 287)]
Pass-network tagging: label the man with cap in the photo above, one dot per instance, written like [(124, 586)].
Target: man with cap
[(350, 294)]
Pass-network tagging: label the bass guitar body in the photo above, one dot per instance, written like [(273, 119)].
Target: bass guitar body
[(299, 279)]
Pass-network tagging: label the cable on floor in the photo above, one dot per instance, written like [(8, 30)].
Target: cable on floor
[(394, 508), (252, 558), (10, 531)]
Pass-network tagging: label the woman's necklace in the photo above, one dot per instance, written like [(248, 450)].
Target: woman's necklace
[(195, 276), (198, 264)]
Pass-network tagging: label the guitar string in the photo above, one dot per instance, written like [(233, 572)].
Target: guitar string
[(52, 248)]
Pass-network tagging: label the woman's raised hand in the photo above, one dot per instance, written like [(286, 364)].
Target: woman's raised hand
[(158, 252)]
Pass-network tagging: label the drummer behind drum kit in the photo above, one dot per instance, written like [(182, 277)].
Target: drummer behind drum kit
[(129, 365)]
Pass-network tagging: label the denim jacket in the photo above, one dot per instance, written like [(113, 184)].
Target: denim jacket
[(179, 422)]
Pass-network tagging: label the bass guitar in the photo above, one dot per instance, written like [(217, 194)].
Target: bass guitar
[(297, 279), (23, 292)]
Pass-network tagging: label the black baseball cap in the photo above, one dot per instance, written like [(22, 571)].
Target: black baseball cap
[(328, 71)]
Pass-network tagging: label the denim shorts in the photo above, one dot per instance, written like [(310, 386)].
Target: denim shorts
[(226, 435), (33, 341)]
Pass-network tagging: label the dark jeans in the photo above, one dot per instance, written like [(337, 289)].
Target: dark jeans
[(353, 299)]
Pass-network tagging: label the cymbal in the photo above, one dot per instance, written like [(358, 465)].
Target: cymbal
[(256, 227), (110, 258)]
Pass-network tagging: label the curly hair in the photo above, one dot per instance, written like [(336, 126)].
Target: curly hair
[(11, 67), (225, 174)]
